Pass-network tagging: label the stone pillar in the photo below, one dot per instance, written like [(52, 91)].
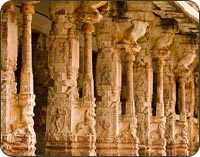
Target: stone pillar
[(128, 140), (88, 82), (26, 95), (182, 125), (157, 140), (108, 85), (182, 82), (26, 86), (193, 124), (10, 110), (170, 102), (159, 99), (84, 137), (63, 64), (143, 88), (130, 103)]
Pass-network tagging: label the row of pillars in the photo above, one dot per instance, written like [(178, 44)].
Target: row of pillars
[(26, 77)]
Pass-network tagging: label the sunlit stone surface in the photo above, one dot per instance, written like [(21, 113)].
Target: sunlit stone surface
[(98, 78)]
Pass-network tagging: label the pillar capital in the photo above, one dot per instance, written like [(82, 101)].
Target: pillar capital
[(87, 28), (183, 73), (8, 6), (27, 9), (130, 57), (161, 62), (129, 48), (182, 76), (161, 54)]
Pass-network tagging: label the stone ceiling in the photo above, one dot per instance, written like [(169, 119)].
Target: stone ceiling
[(187, 21)]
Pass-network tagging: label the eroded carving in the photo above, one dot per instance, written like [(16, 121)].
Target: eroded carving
[(164, 41), (186, 60), (105, 75), (88, 125), (136, 31)]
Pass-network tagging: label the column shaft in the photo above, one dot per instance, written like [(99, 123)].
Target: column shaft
[(160, 104), (26, 86), (88, 29), (26, 96), (130, 106), (182, 99), (88, 88)]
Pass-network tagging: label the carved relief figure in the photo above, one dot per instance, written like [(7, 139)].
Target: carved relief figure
[(128, 131), (20, 132), (133, 33), (142, 62), (186, 60), (59, 119), (92, 6), (88, 125), (86, 88), (182, 136), (107, 126), (90, 121), (105, 75), (164, 41), (141, 83), (60, 50)]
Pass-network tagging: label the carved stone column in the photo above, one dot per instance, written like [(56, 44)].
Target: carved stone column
[(63, 64), (193, 124), (108, 85), (84, 138), (159, 99), (10, 110), (183, 75), (170, 102), (128, 140), (130, 103), (26, 96), (26, 86), (128, 122), (182, 125), (157, 140), (88, 88)]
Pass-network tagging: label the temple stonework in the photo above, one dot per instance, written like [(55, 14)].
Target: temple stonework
[(99, 78)]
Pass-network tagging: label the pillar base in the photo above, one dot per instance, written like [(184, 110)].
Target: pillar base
[(127, 140), (142, 150), (83, 145), (58, 148), (156, 150), (193, 148), (156, 144), (181, 150), (127, 147), (19, 145), (107, 147), (170, 149)]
